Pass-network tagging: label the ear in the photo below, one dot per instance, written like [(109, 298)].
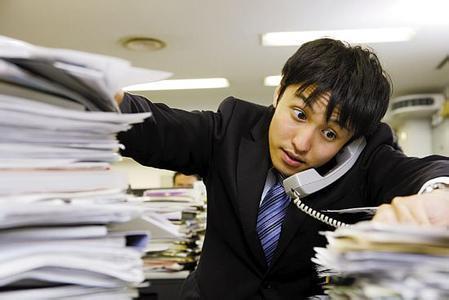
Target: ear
[(276, 95)]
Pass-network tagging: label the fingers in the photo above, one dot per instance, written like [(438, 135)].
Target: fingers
[(410, 210), (401, 211), (436, 204), (119, 97), (405, 210), (385, 214), (423, 209)]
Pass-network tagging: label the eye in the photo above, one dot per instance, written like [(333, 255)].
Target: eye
[(300, 114), (329, 134)]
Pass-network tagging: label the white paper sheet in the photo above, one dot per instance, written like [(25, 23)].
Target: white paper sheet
[(16, 182), (44, 214), (117, 73), (17, 104)]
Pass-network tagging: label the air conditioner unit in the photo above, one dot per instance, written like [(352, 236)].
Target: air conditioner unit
[(411, 116), (416, 106)]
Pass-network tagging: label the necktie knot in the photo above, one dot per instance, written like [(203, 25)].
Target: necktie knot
[(270, 218)]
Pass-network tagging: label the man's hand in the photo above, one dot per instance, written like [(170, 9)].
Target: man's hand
[(119, 97), (424, 209)]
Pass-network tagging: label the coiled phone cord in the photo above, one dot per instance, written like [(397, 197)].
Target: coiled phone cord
[(316, 214)]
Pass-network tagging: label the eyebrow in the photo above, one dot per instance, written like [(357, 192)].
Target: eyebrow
[(333, 119), (304, 98)]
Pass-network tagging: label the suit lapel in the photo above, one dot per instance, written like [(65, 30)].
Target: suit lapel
[(252, 168), (295, 218), (253, 164), (293, 221)]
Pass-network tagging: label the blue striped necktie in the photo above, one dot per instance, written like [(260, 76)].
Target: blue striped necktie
[(270, 218)]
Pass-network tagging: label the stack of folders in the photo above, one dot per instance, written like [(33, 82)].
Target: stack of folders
[(177, 221), (58, 195), (185, 210), (377, 261)]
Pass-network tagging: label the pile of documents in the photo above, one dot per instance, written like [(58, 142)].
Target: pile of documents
[(378, 261), (176, 218), (58, 195)]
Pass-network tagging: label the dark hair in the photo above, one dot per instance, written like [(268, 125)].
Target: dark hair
[(353, 76)]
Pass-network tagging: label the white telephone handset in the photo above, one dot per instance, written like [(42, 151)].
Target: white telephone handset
[(310, 181)]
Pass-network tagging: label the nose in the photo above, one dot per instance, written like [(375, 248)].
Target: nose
[(302, 141)]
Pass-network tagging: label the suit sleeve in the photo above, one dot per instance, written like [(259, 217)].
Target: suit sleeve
[(391, 173), (171, 139)]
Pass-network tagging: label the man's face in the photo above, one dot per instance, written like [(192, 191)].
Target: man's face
[(182, 180), (299, 136)]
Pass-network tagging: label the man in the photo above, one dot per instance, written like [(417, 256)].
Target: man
[(258, 245), (183, 180)]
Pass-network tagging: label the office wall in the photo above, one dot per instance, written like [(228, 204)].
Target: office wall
[(440, 138), (141, 177)]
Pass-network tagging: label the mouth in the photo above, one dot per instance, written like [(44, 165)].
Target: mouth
[(291, 159)]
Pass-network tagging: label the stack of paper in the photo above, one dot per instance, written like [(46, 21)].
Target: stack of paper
[(58, 194), (176, 219), (377, 261), (67, 77)]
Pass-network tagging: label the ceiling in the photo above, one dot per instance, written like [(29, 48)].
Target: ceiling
[(207, 38)]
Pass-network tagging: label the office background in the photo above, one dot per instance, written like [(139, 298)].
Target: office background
[(222, 39)]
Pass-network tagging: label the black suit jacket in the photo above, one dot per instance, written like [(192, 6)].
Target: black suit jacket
[(229, 149)]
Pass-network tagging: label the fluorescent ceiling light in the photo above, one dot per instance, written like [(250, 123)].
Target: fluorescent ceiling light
[(272, 80), (379, 35), (180, 84)]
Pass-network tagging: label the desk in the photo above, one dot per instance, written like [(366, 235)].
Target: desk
[(165, 287)]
